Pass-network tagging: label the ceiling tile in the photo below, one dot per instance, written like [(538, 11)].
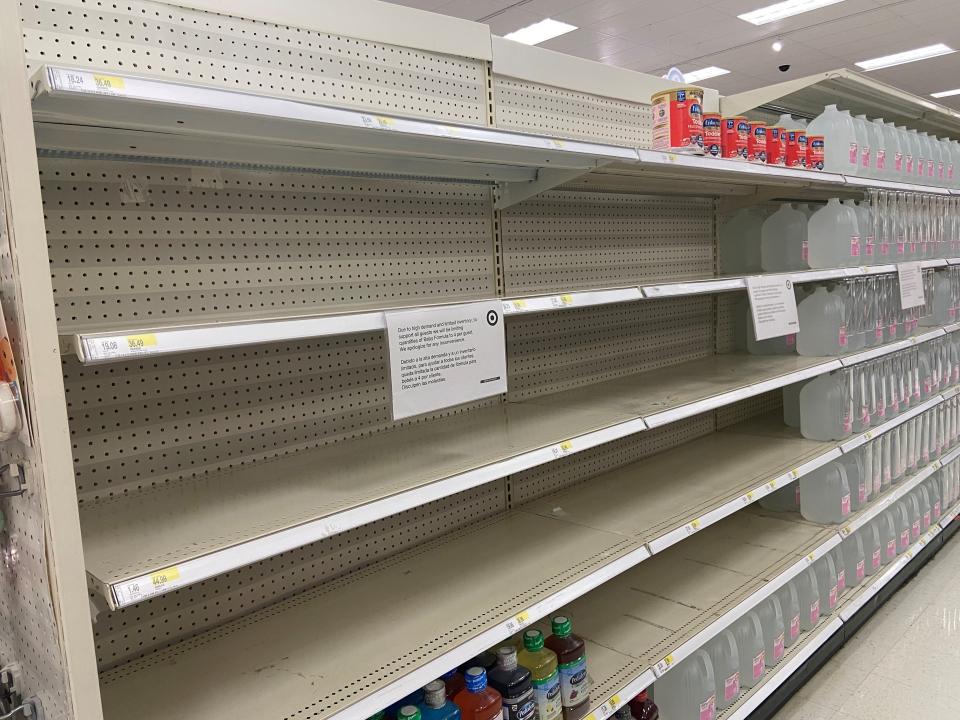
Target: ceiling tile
[(476, 9), (588, 44)]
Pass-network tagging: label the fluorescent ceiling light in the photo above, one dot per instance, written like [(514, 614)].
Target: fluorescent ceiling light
[(946, 93), (704, 74), (539, 32), (905, 57), (782, 10)]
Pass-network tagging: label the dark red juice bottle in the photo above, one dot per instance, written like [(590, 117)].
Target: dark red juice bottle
[(643, 708), (572, 664)]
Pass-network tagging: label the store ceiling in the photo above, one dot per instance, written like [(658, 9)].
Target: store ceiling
[(650, 36)]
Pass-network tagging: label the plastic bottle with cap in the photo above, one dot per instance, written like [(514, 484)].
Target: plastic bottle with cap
[(571, 654), (477, 701), (749, 634), (454, 682), (826, 572), (833, 237), (408, 712), (643, 708), (825, 494), (725, 658), (783, 240), (542, 664), (436, 705), (688, 690), (774, 632), (841, 154), (414, 699), (823, 324), (854, 560), (513, 682)]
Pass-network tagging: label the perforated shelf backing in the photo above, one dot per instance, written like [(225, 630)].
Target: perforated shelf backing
[(159, 40), (133, 243), (545, 109), (565, 240)]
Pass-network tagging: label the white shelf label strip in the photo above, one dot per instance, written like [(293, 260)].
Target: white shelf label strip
[(546, 303), (858, 440)]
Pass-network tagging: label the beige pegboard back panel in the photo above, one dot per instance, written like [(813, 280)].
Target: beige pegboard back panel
[(770, 403), (731, 312), (565, 240), (551, 352), (126, 634), (160, 40), (134, 243), (549, 110)]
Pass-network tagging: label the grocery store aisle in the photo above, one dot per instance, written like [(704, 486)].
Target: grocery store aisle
[(904, 662)]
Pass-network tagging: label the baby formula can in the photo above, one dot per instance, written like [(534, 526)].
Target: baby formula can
[(815, 146), (757, 143), (678, 120), (712, 144), (776, 151), (734, 132)]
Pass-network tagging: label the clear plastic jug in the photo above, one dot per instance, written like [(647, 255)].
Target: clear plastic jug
[(688, 691), (826, 571), (774, 632), (809, 593), (790, 607), (854, 560), (823, 324), (833, 237), (825, 408), (825, 494), (783, 240), (841, 151), (726, 668), (739, 244), (749, 634), (872, 547)]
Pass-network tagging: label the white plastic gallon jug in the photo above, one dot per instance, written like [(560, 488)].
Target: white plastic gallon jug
[(783, 240), (901, 514), (880, 154), (841, 151), (872, 547), (827, 584), (926, 511), (868, 250), (825, 408), (726, 668), (809, 593), (687, 692), (790, 606), (841, 567), (749, 634), (825, 494), (739, 245), (823, 324), (833, 237), (895, 152), (774, 632), (857, 479), (854, 560), (869, 141)]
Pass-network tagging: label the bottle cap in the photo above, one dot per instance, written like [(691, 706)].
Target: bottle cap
[(435, 694), (507, 657), (643, 696), (476, 678), (533, 640), (408, 712), (561, 626)]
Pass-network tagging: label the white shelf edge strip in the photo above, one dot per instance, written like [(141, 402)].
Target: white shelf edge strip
[(732, 615), (712, 516), (572, 299), (784, 671), (738, 169), (435, 668), (858, 440), (863, 596), (133, 590), (629, 691), (950, 516)]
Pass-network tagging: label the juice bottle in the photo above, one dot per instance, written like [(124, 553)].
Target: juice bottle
[(643, 708), (476, 700), (414, 699), (572, 665), (513, 683), (542, 664), (435, 705), (454, 682)]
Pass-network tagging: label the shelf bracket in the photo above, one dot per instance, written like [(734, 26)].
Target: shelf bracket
[(30, 709), (508, 194), (16, 472)]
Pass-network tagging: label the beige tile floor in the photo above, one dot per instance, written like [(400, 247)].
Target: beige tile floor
[(903, 663)]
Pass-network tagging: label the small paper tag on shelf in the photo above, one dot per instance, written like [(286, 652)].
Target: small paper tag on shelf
[(561, 301), (911, 284), (104, 348), (773, 306), (88, 82)]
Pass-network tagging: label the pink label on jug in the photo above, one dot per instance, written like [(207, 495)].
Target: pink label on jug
[(865, 157), (901, 248), (841, 581), (915, 529), (791, 339), (913, 248), (909, 164), (815, 612), (731, 687), (862, 492), (926, 520), (927, 385), (940, 170), (875, 560), (708, 708), (881, 411), (884, 248), (898, 162), (861, 570), (952, 313), (758, 666), (929, 168), (778, 648), (794, 628), (832, 599), (905, 538), (936, 509), (892, 330), (881, 159), (845, 505), (853, 153), (805, 251), (847, 424), (891, 549), (854, 246), (868, 248), (843, 336), (878, 333)]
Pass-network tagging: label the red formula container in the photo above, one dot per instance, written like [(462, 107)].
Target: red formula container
[(795, 148), (712, 143), (815, 146), (734, 132), (776, 149), (757, 143), (678, 120)]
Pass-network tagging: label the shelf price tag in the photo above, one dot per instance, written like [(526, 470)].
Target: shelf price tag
[(561, 449), (164, 577), (102, 348), (664, 664), (518, 621), (80, 80), (561, 301)]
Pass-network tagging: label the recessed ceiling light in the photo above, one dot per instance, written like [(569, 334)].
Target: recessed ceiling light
[(945, 93), (781, 10), (777, 45), (539, 32), (905, 57), (704, 74)]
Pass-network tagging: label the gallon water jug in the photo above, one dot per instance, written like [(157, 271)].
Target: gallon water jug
[(868, 251), (826, 584), (774, 632), (749, 634), (785, 499), (841, 567), (916, 516), (869, 142), (823, 324), (688, 691), (916, 162), (726, 668), (880, 155), (901, 516), (936, 499), (743, 328), (833, 237), (930, 153), (825, 494), (940, 303), (791, 403), (783, 241), (790, 606), (825, 408), (857, 479), (895, 152), (926, 512), (854, 560), (841, 151), (873, 547), (809, 593), (739, 245)]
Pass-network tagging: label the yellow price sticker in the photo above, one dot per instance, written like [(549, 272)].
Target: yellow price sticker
[(772, 484), (591, 716), (795, 473), (566, 299), (558, 143), (749, 496), (109, 83), (384, 122), (615, 702), (519, 304), (141, 342), (695, 524), (162, 577), (522, 618)]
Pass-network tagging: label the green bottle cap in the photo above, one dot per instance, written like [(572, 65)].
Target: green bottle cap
[(561, 626), (533, 640), (408, 712)]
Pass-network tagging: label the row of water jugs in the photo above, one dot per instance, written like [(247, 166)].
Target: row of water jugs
[(832, 492), (854, 399), (713, 677), (892, 227), (847, 315), (877, 149)]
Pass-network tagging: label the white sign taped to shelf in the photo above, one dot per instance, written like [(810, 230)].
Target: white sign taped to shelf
[(772, 305), (445, 356), (911, 285)]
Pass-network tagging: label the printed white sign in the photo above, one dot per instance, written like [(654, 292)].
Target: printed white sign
[(911, 285), (773, 306), (445, 356)]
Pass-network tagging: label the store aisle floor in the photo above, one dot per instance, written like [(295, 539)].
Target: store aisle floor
[(903, 663)]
